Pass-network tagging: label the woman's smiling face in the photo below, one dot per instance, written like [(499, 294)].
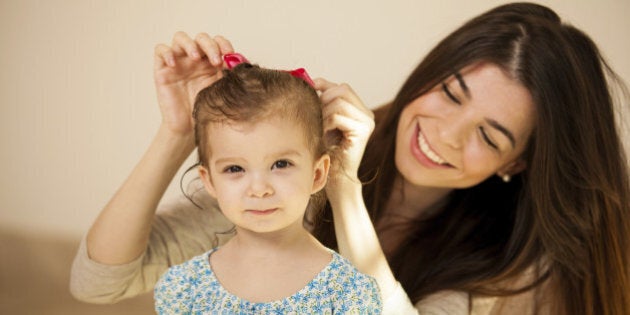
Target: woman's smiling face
[(473, 125)]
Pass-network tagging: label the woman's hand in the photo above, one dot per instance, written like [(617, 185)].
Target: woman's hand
[(347, 127), (181, 71), (349, 124)]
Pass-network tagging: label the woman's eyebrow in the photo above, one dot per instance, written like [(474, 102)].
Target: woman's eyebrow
[(493, 123), (462, 84), (502, 129)]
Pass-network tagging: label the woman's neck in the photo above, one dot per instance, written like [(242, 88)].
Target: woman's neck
[(406, 204), (414, 202)]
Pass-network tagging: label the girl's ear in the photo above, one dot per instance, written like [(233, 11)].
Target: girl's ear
[(322, 166), (204, 174)]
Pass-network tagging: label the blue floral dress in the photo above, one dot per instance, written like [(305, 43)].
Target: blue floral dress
[(193, 288)]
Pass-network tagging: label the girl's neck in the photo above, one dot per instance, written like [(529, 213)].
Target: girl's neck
[(293, 239), (264, 267)]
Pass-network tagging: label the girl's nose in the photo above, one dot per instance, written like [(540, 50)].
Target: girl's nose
[(260, 187)]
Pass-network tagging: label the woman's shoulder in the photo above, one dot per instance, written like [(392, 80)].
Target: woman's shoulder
[(536, 300), (343, 268)]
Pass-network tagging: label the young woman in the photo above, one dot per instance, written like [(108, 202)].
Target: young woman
[(495, 181)]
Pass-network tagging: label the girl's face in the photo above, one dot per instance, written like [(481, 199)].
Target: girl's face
[(466, 129), (262, 174)]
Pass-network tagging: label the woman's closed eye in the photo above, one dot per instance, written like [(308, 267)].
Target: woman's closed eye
[(450, 94), (486, 138), (280, 164)]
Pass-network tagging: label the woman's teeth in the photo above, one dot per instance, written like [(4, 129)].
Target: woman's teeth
[(424, 147)]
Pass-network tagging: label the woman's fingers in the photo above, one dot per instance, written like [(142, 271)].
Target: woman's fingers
[(340, 90), (347, 122), (210, 48), (341, 109), (331, 91), (184, 45), (203, 45), (344, 102), (224, 44), (340, 99), (322, 84), (348, 138), (163, 56), (190, 55)]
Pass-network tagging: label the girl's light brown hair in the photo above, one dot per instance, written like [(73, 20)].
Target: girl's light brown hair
[(248, 93)]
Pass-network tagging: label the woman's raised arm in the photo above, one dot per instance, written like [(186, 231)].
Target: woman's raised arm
[(350, 123), (121, 231)]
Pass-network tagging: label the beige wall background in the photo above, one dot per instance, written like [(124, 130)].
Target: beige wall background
[(77, 104), (77, 99)]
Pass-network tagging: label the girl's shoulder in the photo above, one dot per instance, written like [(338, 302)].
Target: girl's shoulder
[(344, 271), (353, 289), (194, 267), (176, 288)]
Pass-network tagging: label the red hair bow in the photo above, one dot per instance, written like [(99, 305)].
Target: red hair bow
[(232, 60)]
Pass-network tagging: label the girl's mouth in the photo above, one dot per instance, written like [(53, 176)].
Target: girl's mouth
[(262, 212)]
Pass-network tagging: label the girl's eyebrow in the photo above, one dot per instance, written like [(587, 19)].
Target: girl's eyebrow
[(285, 153), (230, 159), (237, 159), (462, 83), (502, 129)]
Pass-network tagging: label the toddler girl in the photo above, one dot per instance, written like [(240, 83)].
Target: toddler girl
[(259, 137)]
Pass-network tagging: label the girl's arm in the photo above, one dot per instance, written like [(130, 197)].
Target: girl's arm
[(357, 240)]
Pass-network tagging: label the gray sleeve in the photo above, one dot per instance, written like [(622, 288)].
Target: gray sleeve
[(398, 303), (445, 303), (440, 303), (180, 231)]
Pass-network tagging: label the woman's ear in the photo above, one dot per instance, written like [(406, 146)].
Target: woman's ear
[(322, 166), (204, 174), (512, 168)]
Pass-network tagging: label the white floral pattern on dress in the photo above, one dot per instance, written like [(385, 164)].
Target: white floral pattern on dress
[(193, 288)]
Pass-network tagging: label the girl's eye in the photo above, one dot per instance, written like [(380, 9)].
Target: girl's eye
[(281, 164), (450, 95), (233, 169), (487, 139)]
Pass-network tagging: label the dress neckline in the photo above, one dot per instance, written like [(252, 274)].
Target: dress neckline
[(295, 296)]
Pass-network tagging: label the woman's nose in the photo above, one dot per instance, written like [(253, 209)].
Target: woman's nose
[(260, 186), (454, 128)]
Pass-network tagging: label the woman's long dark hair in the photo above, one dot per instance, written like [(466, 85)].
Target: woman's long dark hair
[(566, 218)]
